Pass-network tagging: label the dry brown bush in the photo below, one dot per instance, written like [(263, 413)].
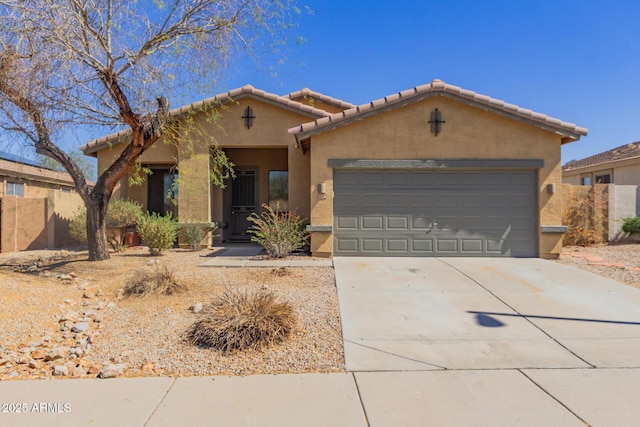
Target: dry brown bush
[(243, 319), (585, 213), (159, 280)]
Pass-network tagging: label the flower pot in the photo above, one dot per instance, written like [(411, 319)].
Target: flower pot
[(132, 238)]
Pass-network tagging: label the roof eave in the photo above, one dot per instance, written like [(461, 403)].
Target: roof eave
[(567, 135), (92, 147)]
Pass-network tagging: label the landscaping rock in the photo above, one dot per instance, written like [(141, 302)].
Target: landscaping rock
[(39, 354), (60, 370), (56, 353), (197, 307), (80, 327), (112, 370)]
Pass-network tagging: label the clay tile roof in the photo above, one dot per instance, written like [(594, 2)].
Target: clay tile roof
[(220, 99), (569, 131), (624, 152), (306, 92)]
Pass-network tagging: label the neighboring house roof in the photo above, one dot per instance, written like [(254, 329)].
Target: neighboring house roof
[(224, 98), (624, 152), (308, 93), (22, 170), (569, 131)]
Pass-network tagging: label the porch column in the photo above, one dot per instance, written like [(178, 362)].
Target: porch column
[(299, 186), (194, 195)]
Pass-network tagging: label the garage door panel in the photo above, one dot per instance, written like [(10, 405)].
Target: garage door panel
[(421, 180), (421, 222), (371, 200), (397, 223), (398, 245), (372, 179), (421, 245), (472, 245), (346, 199), (447, 246), (436, 213), (372, 245), (347, 223), (347, 245), (372, 223)]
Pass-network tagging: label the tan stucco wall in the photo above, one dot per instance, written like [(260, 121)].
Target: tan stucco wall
[(37, 223), (469, 133), (23, 223)]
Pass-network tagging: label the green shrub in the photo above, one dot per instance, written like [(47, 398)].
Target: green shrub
[(239, 320), (121, 214), (78, 226), (194, 234), (280, 233), (158, 232), (631, 225), (161, 280)]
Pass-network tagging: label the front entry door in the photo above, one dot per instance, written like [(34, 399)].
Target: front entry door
[(243, 203)]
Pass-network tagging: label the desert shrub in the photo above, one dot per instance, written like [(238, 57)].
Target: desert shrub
[(194, 234), (243, 319), (583, 214), (159, 280), (631, 225), (121, 214), (280, 233), (78, 226), (158, 232)]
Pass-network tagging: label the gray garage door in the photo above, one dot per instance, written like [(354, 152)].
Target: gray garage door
[(435, 213)]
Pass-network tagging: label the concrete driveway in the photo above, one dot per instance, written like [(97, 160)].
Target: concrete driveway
[(408, 314)]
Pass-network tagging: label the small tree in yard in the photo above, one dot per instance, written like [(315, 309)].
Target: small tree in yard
[(280, 233), (72, 66)]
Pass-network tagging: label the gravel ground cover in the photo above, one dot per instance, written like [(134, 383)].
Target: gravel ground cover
[(619, 262), (64, 316)]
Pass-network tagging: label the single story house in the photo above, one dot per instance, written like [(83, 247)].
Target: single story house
[(620, 165), (435, 170)]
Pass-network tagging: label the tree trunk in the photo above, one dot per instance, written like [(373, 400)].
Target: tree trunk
[(97, 230)]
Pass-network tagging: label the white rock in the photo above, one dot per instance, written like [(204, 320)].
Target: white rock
[(80, 327), (60, 370), (111, 370)]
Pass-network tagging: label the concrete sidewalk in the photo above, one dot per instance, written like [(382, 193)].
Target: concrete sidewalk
[(530, 397)]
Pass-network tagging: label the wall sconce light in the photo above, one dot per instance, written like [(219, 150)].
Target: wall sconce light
[(551, 188), (248, 117), (436, 122), (322, 188)]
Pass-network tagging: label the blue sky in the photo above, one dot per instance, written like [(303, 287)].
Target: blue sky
[(578, 61)]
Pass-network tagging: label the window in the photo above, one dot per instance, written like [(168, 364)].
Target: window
[(585, 180), (66, 190), (15, 189), (279, 190), (603, 179)]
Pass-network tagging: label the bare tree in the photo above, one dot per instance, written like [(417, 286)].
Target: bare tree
[(113, 64)]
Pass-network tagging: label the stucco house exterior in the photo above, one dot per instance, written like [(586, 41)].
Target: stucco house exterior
[(620, 165), (434, 170), (36, 205)]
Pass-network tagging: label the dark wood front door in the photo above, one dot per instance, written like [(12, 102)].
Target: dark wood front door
[(243, 203)]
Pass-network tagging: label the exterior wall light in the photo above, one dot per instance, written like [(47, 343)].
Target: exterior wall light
[(436, 122), (248, 117)]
